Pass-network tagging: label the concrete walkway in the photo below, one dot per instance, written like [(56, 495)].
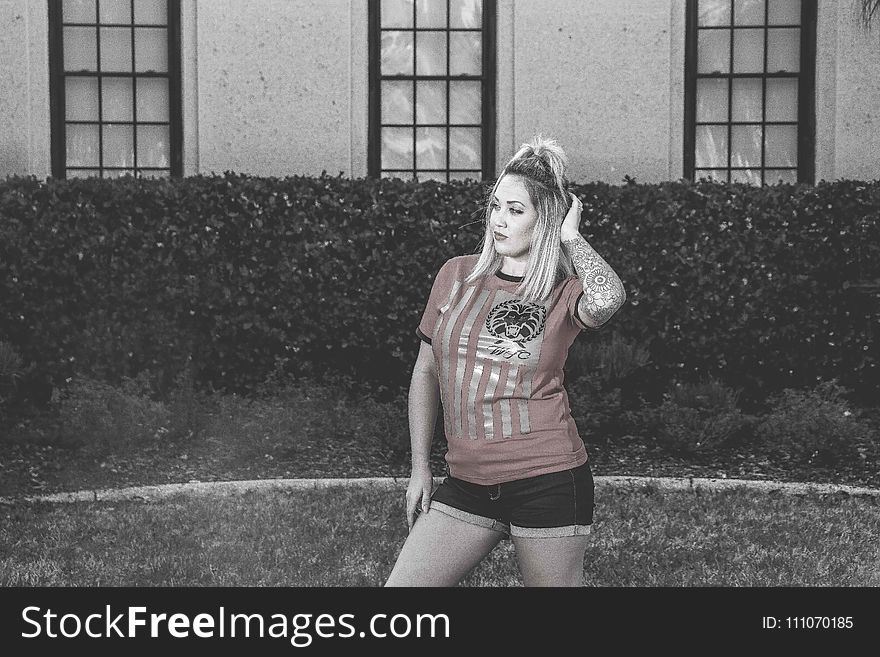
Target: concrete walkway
[(151, 493)]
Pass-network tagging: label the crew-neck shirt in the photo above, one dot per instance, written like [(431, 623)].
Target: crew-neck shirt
[(500, 366)]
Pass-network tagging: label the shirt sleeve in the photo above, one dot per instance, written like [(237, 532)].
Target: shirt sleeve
[(572, 292), (439, 296)]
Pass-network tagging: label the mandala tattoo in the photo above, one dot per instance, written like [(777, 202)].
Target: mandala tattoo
[(603, 290)]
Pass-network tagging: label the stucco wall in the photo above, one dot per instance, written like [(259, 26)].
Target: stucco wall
[(274, 86), (597, 75), (24, 88), (857, 92)]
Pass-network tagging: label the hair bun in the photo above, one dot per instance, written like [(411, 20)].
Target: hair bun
[(551, 155)]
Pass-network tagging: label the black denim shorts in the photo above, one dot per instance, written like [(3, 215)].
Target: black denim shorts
[(549, 505)]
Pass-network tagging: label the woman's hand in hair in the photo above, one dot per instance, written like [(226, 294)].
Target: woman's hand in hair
[(572, 222)]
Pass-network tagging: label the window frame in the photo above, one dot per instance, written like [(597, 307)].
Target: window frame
[(487, 91), (57, 91), (806, 76)]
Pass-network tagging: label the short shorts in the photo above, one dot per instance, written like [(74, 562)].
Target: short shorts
[(545, 506)]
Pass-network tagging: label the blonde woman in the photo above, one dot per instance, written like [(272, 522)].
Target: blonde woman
[(495, 335)]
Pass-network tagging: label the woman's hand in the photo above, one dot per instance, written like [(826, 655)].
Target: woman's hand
[(571, 223), (418, 492)]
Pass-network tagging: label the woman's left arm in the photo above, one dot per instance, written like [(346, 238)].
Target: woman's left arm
[(603, 289)]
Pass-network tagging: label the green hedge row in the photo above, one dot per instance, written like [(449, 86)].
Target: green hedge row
[(327, 276)]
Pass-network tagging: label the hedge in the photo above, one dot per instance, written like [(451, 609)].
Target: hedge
[(327, 276)]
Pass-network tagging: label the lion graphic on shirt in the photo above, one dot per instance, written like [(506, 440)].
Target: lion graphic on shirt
[(517, 321)]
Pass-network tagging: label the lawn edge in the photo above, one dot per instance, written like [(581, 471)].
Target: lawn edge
[(162, 491)]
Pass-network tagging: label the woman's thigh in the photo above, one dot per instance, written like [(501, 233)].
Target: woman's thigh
[(440, 550), (557, 561)]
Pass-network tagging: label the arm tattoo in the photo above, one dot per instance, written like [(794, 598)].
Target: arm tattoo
[(603, 290)]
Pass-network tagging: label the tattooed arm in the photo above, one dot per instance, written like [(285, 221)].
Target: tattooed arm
[(603, 289)]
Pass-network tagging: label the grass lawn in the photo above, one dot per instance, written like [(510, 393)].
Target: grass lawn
[(350, 537), (642, 537)]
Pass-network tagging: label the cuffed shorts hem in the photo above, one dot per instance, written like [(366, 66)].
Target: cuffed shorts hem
[(550, 532), (471, 518)]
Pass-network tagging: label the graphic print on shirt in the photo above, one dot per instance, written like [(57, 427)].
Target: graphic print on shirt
[(488, 349)]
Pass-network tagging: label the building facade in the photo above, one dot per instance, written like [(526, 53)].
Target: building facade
[(752, 90)]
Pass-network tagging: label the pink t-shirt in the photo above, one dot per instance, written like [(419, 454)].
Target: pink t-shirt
[(499, 360)]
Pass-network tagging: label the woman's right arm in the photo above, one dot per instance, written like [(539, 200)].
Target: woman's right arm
[(424, 401)]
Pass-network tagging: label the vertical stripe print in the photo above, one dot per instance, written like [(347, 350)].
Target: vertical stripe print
[(449, 359), (443, 357), (489, 397), (468, 335), (506, 411)]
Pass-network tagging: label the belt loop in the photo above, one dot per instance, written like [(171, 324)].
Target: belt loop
[(495, 497)]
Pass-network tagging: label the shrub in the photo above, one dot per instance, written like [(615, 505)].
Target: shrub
[(327, 276), (815, 426), (699, 418), (90, 412)]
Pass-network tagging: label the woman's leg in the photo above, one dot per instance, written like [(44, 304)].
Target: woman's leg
[(551, 561), (440, 550)]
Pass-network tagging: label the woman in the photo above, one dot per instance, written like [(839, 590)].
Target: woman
[(496, 331)]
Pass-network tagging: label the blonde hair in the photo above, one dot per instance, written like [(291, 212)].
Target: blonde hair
[(540, 164)]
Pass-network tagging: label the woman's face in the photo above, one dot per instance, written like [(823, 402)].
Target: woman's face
[(513, 218)]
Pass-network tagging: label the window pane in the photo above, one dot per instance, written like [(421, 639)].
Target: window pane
[(466, 13), (115, 11), (403, 175), (430, 13), (151, 12), (397, 13), (439, 176), (748, 51), (711, 100), (748, 12), (431, 148), (781, 146), (711, 175), (711, 146), (465, 53), (464, 102), (397, 148), (82, 145), (750, 176), (782, 99), (431, 102), (714, 12), (745, 146), (397, 101), (747, 95), (153, 99), (785, 12), (118, 173), (79, 11), (783, 50), (83, 173), (465, 175), (154, 146), (465, 148), (431, 53), (118, 146), (772, 177), (713, 51), (151, 49), (81, 99), (115, 49), (117, 100), (397, 53), (80, 49)]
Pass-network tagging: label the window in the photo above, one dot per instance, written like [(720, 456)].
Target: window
[(432, 89), (750, 82), (115, 87)]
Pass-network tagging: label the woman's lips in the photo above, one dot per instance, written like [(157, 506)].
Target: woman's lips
[(499, 236)]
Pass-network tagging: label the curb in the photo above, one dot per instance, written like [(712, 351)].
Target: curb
[(162, 491)]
